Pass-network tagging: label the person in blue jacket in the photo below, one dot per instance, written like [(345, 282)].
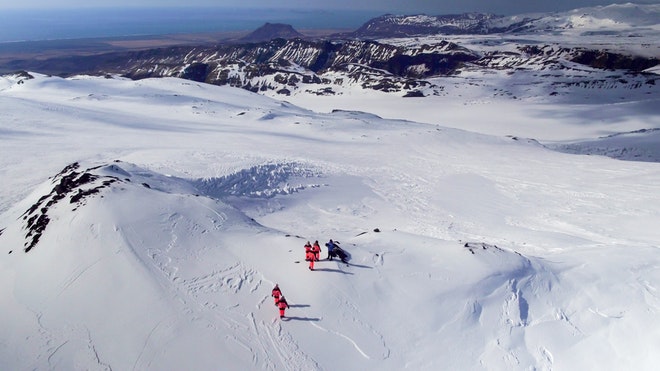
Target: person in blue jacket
[(331, 246)]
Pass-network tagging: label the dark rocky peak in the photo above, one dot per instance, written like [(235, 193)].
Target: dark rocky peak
[(71, 186), (23, 75), (19, 77), (270, 31)]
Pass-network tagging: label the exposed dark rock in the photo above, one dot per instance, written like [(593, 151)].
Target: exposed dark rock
[(21, 75), (414, 94), (67, 183), (196, 72), (612, 61), (471, 246)]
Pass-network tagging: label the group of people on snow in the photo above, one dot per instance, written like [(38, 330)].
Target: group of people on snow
[(280, 301), (313, 252)]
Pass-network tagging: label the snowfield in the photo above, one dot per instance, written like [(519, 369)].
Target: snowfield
[(158, 215)]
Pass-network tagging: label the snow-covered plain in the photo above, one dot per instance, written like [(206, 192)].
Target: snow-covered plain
[(470, 249)]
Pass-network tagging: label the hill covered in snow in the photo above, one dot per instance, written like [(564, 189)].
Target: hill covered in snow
[(144, 223)]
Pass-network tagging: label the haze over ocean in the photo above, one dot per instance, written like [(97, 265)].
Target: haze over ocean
[(56, 24)]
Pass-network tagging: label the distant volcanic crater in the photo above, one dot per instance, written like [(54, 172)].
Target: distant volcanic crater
[(70, 184)]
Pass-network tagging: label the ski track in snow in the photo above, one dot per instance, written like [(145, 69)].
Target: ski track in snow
[(53, 342), (232, 279), (75, 275), (146, 354), (197, 292), (351, 341), (287, 349)]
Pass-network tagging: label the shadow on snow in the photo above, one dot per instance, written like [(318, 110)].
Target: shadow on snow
[(331, 270), (287, 318)]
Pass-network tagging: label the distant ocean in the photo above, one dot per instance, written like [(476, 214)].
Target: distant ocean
[(38, 24)]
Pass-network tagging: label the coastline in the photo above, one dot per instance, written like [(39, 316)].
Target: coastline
[(46, 49)]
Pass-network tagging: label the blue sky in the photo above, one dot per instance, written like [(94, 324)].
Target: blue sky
[(394, 6)]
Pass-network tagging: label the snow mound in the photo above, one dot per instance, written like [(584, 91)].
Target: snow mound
[(638, 145), (122, 243), (629, 13), (18, 78)]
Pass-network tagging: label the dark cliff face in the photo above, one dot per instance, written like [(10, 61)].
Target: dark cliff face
[(240, 65), (612, 61), (550, 57)]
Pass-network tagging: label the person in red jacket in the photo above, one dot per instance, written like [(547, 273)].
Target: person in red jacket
[(309, 256), (282, 304), (276, 293), (316, 249)]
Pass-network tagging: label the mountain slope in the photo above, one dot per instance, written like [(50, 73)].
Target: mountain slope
[(190, 201), (183, 281), (601, 19)]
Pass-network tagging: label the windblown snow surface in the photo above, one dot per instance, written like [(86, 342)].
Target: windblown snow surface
[(144, 224)]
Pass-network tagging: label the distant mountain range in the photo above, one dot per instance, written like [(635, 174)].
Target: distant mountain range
[(389, 25), (607, 19), (403, 54)]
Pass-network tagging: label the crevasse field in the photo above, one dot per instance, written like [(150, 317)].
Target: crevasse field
[(158, 215)]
